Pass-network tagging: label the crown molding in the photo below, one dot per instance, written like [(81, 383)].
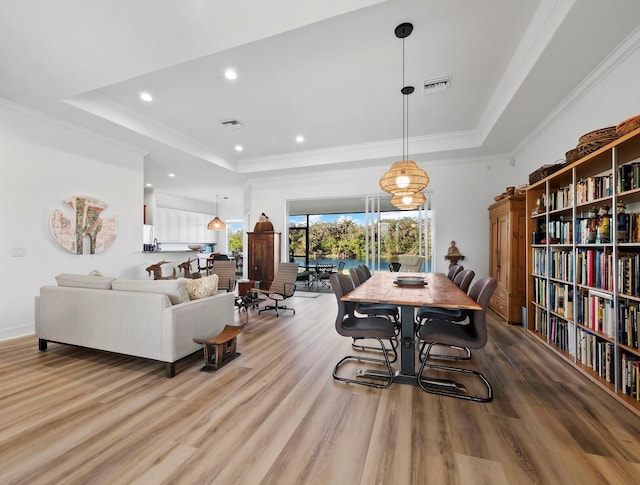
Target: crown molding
[(604, 69)]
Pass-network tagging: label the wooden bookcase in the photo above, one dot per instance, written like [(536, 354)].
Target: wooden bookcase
[(507, 248), (583, 277)]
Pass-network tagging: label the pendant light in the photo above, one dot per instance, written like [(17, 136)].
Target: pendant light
[(404, 178), (216, 224), (408, 202)]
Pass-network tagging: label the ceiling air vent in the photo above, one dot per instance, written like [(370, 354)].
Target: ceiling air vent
[(231, 123), (436, 85)]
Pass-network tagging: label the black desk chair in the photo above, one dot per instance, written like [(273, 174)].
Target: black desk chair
[(349, 325), (472, 335)]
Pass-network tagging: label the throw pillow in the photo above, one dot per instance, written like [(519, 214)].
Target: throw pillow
[(202, 287), (176, 290), (84, 281)]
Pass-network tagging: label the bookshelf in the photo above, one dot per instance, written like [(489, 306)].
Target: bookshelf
[(583, 266)]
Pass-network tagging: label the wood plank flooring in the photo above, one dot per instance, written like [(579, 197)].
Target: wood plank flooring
[(275, 416)]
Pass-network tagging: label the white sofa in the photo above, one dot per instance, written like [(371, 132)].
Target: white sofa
[(150, 319)]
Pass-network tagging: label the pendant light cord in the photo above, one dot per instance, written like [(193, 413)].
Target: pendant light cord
[(404, 157)]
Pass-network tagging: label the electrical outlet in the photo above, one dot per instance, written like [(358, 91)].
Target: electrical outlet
[(18, 252)]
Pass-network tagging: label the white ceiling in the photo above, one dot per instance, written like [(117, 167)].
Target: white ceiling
[(330, 70)]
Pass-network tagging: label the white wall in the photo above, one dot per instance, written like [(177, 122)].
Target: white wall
[(463, 193), (602, 101), (43, 163)]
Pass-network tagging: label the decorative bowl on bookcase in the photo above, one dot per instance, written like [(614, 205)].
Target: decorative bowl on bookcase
[(545, 171), (572, 155), (628, 125), (592, 141)]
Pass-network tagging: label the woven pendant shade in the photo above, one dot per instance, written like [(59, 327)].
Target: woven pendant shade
[(216, 224), (404, 178), (408, 202)]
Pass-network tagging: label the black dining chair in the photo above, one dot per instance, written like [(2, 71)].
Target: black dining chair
[(472, 335), (386, 310), (394, 266), (425, 313), (373, 309), (323, 271), (349, 325), (464, 278), (365, 269), (454, 270)]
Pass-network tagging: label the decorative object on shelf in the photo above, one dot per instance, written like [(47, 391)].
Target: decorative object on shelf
[(596, 139), (70, 232), (572, 155), (453, 255), (545, 171), (263, 224), (508, 191), (622, 223), (156, 269), (593, 226), (539, 208), (404, 178), (195, 247), (627, 126), (604, 226), (217, 224), (408, 202), (186, 269)]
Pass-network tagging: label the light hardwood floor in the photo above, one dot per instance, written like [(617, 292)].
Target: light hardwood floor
[(276, 416)]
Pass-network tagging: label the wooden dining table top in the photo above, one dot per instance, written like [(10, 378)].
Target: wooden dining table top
[(439, 291)]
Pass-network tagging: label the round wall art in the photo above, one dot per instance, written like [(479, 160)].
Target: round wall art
[(83, 231)]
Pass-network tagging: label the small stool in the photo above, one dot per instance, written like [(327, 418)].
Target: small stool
[(221, 349)]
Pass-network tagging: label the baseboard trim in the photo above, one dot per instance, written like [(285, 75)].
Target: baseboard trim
[(15, 332)]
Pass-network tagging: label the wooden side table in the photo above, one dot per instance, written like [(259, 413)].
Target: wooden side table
[(245, 285)]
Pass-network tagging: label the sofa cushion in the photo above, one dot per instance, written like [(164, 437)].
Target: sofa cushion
[(176, 290), (201, 287), (84, 281)]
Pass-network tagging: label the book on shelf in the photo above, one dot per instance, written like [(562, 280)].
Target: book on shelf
[(593, 188), (594, 268), (629, 375), (628, 321), (595, 311), (596, 354), (629, 176)]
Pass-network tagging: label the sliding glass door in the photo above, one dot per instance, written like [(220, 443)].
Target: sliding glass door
[(391, 233), (364, 230)]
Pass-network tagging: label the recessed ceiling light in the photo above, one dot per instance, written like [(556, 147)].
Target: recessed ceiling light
[(148, 185), (171, 174), (239, 148), (231, 74), (299, 138), (146, 97)]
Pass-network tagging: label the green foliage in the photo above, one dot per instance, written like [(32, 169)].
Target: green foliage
[(345, 239), (235, 240)]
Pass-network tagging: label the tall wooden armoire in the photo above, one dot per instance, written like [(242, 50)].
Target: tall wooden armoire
[(263, 256), (507, 261)]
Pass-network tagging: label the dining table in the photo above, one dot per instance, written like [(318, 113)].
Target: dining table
[(410, 291)]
